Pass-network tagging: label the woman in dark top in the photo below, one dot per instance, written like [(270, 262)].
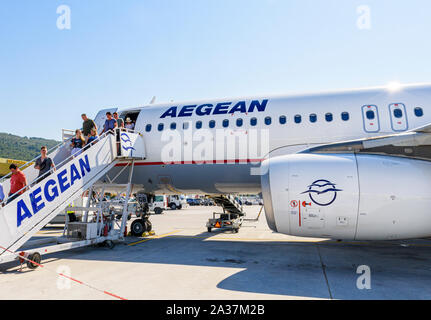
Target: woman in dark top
[(93, 137), (78, 143)]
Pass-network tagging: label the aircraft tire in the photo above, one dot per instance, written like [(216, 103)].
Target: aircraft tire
[(137, 228)]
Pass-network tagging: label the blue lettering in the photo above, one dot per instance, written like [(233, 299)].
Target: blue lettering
[(256, 104), (48, 196), (186, 111), (62, 181), (221, 108), (172, 112), (35, 199), (204, 110), (74, 174), (21, 206), (84, 165), (239, 107)]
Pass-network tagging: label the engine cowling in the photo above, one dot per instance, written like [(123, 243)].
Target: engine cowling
[(354, 197)]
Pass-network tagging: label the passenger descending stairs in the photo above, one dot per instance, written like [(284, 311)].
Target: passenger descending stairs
[(24, 216), (229, 204)]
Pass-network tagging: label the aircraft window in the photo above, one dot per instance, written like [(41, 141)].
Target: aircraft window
[(370, 115), (199, 125), (160, 127), (268, 121), (185, 125), (313, 118), (253, 121), (329, 117), (225, 123), (419, 112), (212, 124), (298, 119), (148, 127), (283, 119), (239, 122), (345, 116), (173, 126), (398, 113)]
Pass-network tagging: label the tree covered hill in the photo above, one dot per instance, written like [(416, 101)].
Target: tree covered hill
[(22, 148)]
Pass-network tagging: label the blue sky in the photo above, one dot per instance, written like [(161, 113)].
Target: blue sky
[(122, 53)]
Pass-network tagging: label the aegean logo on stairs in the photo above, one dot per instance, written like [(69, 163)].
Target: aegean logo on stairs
[(52, 189)]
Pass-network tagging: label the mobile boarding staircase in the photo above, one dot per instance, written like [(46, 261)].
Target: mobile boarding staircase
[(22, 217)]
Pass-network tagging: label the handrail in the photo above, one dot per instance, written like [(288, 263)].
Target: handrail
[(27, 164), (46, 174)]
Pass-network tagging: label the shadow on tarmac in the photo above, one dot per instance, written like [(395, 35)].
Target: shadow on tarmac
[(325, 269)]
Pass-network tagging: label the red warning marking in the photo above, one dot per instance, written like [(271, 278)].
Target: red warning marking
[(304, 203), (293, 203), (23, 258), (299, 214)]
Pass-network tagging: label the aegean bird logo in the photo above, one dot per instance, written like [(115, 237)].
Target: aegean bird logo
[(126, 139), (322, 192)]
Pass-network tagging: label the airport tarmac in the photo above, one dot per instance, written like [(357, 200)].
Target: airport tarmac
[(184, 261)]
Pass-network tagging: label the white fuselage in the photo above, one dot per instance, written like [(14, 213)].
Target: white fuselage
[(196, 159)]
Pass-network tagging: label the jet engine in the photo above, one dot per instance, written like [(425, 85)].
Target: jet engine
[(348, 196)]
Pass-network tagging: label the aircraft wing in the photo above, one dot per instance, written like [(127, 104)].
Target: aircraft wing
[(415, 143)]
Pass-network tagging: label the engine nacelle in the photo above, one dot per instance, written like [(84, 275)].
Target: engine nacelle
[(360, 197)]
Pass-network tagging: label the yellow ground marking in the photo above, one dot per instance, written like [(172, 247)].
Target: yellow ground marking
[(155, 237)]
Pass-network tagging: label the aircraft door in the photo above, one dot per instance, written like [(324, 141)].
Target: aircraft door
[(101, 117), (370, 116), (398, 115)]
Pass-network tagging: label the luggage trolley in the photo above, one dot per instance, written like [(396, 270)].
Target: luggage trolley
[(232, 221)]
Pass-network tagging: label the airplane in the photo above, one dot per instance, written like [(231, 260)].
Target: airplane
[(352, 164)]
